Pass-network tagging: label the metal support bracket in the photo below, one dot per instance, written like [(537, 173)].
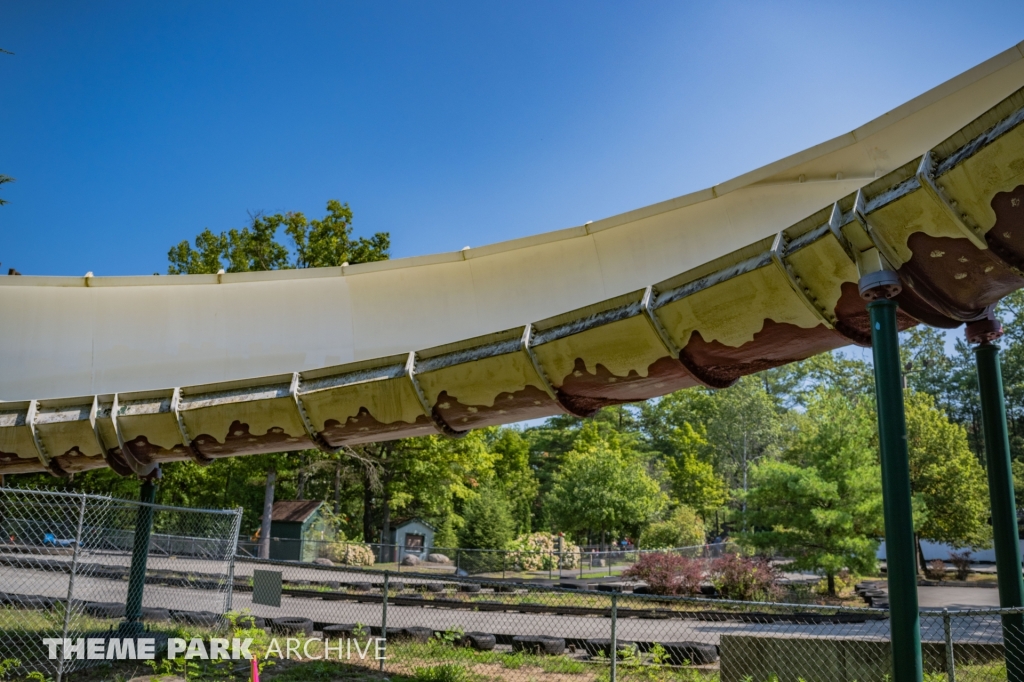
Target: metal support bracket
[(647, 304), (41, 453), (307, 423), (860, 213), (524, 344), (926, 178), (140, 469), (439, 423), (778, 255), (186, 440), (119, 467), (835, 226)]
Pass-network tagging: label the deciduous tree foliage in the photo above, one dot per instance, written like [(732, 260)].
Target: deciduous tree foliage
[(603, 489), (821, 503), (946, 477)]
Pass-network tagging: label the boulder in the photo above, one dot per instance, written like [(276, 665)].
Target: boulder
[(323, 561), (438, 559), (411, 560)]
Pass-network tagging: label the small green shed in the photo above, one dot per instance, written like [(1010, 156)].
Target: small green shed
[(296, 526)]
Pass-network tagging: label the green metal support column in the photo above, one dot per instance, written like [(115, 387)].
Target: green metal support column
[(1000, 489), (904, 615), (132, 624)]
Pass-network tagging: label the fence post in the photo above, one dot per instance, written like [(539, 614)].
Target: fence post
[(132, 623), (947, 634), (384, 620), (236, 528), (458, 560), (503, 565), (551, 563), (71, 583), (615, 645)]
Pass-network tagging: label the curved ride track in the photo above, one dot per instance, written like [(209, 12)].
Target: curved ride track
[(756, 272)]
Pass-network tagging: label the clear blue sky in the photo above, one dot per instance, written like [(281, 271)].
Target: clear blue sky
[(131, 126)]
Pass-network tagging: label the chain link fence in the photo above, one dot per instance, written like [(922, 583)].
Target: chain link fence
[(471, 628), (579, 563), (64, 565), (65, 558)]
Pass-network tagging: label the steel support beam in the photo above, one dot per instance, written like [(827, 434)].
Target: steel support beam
[(901, 571), (983, 333), (132, 624)]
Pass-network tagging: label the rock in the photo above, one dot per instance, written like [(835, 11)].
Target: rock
[(323, 561), (411, 560), (438, 559)]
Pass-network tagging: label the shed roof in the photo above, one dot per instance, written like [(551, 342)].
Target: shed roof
[(294, 511), (399, 523)]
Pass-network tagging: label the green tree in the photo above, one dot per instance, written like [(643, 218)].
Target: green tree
[(602, 488), (684, 528), (694, 482), (327, 242), (514, 475), (945, 476), (821, 503), (487, 521), (740, 424)]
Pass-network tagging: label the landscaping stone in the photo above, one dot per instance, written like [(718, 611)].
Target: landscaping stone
[(323, 561), (438, 559), (411, 560)]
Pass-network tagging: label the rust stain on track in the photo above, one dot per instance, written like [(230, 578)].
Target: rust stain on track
[(238, 441)]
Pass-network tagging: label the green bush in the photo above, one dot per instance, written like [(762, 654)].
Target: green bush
[(539, 551), (351, 554), (683, 529)]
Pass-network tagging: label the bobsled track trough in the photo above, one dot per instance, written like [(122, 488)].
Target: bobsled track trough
[(756, 272)]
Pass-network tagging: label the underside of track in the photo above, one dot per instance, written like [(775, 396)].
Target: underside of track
[(754, 273)]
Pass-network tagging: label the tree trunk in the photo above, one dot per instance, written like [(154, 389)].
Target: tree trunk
[(831, 585), (227, 485), (385, 529), (337, 487), (300, 487), (367, 508), (268, 511)]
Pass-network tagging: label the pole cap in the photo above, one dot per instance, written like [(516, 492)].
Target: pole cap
[(985, 330), (880, 284)]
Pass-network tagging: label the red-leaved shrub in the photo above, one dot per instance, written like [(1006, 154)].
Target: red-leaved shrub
[(667, 573), (745, 578)]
